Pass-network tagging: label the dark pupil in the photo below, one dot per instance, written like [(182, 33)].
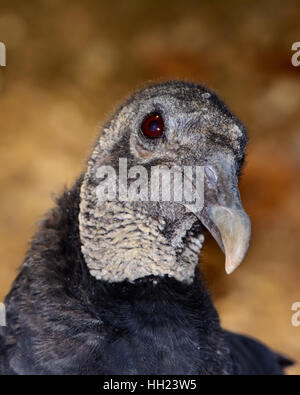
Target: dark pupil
[(153, 126)]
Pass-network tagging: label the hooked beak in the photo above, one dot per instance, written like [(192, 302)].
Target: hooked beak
[(222, 213), (231, 228)]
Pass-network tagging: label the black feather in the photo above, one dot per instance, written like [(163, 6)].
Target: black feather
[(61, 320)]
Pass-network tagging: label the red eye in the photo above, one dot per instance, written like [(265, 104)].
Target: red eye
[(153, 126)]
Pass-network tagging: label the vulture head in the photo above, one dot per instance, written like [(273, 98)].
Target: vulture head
[(164, 169)]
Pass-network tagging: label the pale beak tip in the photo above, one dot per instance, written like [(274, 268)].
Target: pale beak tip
[(229, 270), (230, 267)]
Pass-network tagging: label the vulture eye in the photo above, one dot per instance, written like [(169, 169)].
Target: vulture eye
[(153, 126)]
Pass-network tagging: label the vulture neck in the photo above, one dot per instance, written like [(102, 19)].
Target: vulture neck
[(163, 325), (120, 241)]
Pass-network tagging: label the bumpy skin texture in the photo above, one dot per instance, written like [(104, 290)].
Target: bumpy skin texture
[(61, 319)]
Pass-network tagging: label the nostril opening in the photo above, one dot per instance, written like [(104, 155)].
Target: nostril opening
[(211, 174)]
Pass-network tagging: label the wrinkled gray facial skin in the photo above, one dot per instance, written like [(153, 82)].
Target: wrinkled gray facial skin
[(130, 240)]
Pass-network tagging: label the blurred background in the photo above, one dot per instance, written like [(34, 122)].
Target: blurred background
[(70, 63)]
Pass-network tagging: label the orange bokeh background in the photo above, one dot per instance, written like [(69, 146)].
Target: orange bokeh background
[(69, 63)]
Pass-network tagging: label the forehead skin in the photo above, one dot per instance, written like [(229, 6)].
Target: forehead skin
[(190, 95)]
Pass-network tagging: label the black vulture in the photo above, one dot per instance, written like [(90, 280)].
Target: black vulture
[(111, 282)]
